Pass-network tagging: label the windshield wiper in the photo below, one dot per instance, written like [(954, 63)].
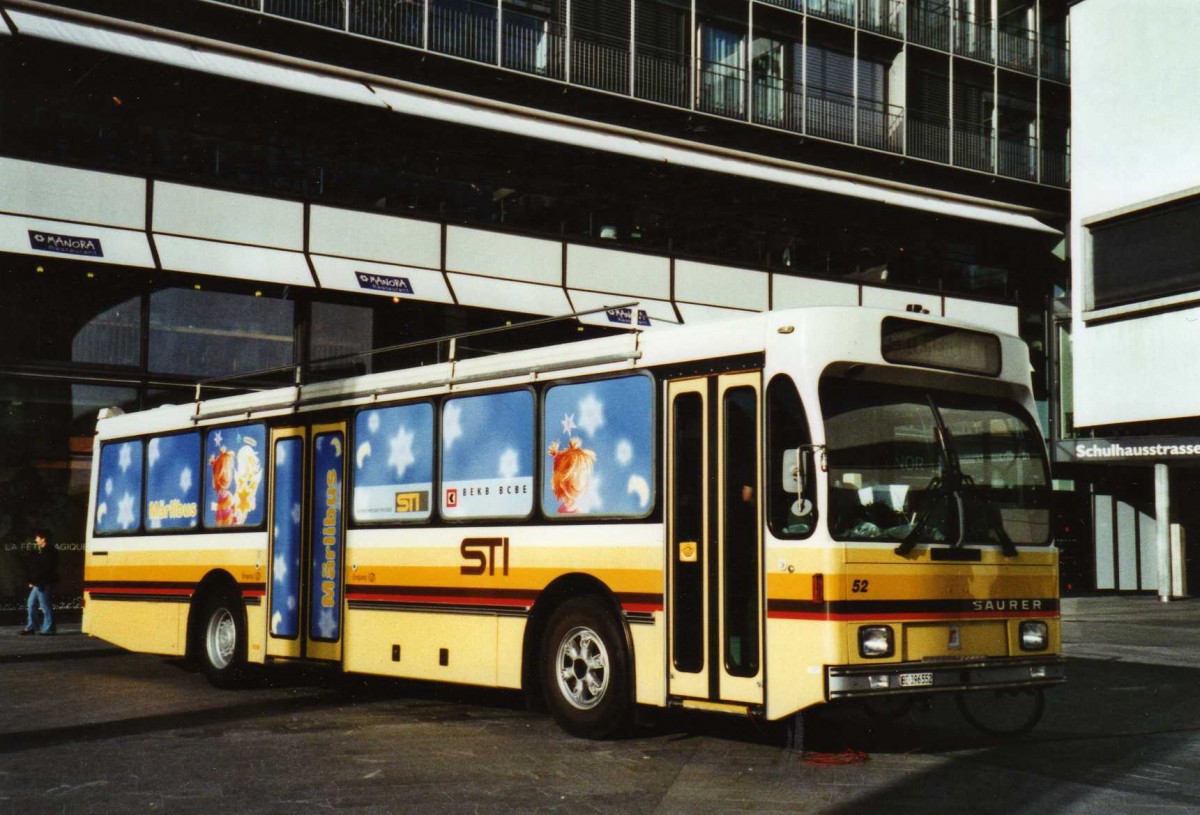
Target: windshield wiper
[(994, 523), (950, 483)]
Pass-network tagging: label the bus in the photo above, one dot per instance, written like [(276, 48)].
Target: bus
[(754, 516)]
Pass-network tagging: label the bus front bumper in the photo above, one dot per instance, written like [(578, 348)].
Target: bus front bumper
[(889, 679)]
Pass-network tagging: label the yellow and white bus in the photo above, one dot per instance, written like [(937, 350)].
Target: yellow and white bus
[(754, 516)]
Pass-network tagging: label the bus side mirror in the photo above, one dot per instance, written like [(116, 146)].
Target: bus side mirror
[(795, 471)]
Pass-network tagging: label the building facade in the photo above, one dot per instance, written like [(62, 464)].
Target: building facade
[(200, 190), (1128, 347)]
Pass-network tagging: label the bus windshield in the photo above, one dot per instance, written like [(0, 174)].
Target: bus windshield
[(910, 465)]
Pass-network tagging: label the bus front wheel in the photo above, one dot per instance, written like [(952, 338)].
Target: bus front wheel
[(221, 642), (1006, 712), (585, 671)]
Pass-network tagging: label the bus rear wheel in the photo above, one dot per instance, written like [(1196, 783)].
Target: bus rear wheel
[(221, 644), (585, 671)]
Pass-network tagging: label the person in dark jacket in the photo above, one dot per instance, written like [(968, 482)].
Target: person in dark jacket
[(43, 574)]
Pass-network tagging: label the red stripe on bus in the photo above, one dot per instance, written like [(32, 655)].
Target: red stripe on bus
[(434, 599), (916, 615), (137, 590), (648, 608)]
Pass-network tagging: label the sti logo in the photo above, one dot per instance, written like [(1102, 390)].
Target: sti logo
[(482, 556), (451, 498)]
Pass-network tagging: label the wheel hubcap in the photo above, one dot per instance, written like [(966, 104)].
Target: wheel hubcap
[(221, 639), (582, 668)]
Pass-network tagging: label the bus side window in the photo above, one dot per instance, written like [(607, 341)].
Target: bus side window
[(789, 514), (598, 451), (119, 495)]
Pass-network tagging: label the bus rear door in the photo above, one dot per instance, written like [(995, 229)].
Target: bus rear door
[(306, 571)]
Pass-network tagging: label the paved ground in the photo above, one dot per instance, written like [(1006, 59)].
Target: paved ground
[(86, 728), (1133, 629)]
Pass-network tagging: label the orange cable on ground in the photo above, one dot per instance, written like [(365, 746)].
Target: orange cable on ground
[(836, 759)]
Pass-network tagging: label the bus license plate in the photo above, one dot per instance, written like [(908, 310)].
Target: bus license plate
[(915, 680)]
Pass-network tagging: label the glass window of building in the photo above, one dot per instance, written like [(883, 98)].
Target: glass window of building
[(68, 313), (337, 331), (210, 333)]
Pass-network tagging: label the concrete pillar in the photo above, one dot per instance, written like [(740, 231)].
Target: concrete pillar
[(1179, 587), (1162, 529)]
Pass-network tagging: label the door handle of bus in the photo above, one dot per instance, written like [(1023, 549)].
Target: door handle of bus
[(689, 551)]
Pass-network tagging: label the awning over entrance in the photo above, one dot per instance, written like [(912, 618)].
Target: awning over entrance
[(149, 224)]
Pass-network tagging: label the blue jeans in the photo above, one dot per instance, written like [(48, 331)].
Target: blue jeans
[(39, 597)]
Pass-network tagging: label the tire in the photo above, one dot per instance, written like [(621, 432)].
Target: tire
[(585, 671), (888, 708), (1004, 713), (221, 642)]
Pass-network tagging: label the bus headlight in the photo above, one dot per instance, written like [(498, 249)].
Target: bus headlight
[(1034, 635), (876, 641)]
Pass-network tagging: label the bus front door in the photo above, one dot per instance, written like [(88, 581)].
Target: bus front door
[(305, 593), (713, 527)]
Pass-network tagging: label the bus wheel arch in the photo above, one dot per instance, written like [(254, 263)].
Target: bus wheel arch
[(575, 613), (217, 631)]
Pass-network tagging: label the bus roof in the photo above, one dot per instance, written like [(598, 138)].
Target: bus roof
[(828, 333)]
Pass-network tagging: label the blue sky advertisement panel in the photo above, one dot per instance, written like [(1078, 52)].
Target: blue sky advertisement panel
[(599, 449), (285, 562), (172, 483), (393, 464), (234, 495), (327, 537), (119, 501), (487, 456)]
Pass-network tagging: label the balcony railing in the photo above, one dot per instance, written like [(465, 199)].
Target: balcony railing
[(330, 13), (661, 75), (1017, 157), (827, 114), (930, 25), (928, 136), (401, 22), (778, 103), (792, 5), (972, 39), (1018, 49), (882, 17), (533, 45), (488, 32), (463, 29), (973, 147), (599, 61), (841, 11), (1056, 166), (722, 90), (1056, 62), (830, 115), (881, 126)]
